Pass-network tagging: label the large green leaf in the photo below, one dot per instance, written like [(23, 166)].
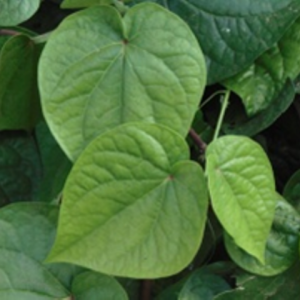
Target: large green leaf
[(26, 233), (133, 205), (203, 284), (56, 165), (242, 188), (14, 12), (20, 168), (19, 97), (241, 124), (99, 70), (259, 84), (94, 286), (234, 33), (282, 244), (284, 286)]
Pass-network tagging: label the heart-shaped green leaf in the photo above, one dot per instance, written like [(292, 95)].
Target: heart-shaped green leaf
[(94, 286), (26, 234), (14, 12), (282, 244), (133, 205), (99, 71), (242, 188)]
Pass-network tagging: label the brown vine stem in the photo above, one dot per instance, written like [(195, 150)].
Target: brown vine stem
[(197, 140), (146, 287), (9, 32)]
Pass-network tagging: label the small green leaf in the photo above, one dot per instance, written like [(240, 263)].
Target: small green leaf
[(56, 165), (19, 97), (291, 190), (94, 286), (250, 126), (83, 3), (26, 234), (99, 71), (233, 34), (203, 284), (262, 82), (282, 244), (14, 12), (20, 169), (133, 205), (242, 188)]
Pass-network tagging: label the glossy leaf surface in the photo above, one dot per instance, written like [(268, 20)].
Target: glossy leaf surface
[(99, 71), (282, 286), (94, 286), (203, 284), (291, 190), (14, 12), (233, 33), (242, 188), (259, 84), (281, 248), (250, 126), (133, 205)]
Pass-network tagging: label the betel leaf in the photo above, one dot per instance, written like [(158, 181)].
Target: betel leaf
[(203, 284), (291, 190), (249, 286), (282, 244), (26, 234), (83, 3), (250, 126), (20, 169), (14, 12), (98, 71), (259, 84), (56, 166), (133, 205), (241, 185), (94, 286), (19, 97), (233, 34)]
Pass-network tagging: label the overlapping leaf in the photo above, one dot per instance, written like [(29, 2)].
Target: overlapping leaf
[(26, 234), (133, 205), (99, 70), (94, 286), (259, 84), (83, 3), (20, 168), (56, 166), (233, 33), (19, 97), (281, 248), (242, 188), (14, 12)]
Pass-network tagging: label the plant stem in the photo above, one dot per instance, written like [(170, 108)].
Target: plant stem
[(211, 97), (146, 289), (197, 140), (9, 32), (224, 101), (39, 39)]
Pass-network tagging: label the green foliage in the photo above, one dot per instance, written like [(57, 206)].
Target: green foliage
[(118, 181)]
